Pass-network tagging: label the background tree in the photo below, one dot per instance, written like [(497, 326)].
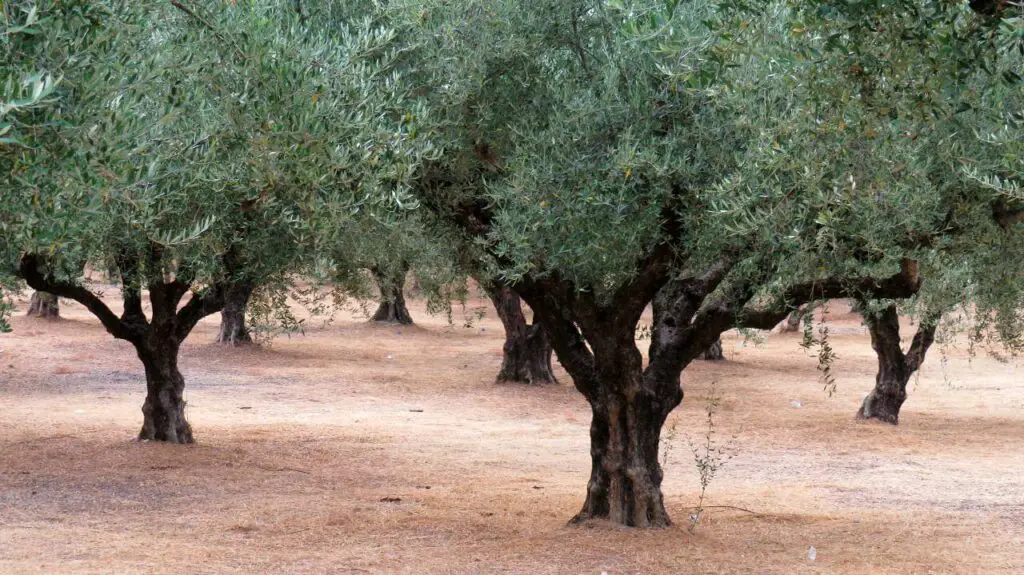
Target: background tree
[(44, 305), (526, 355), (606, 155), (215, 141), (954, 90)]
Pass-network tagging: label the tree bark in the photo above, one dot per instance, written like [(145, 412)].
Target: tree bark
[(526, 356), (392, 300), (714, 351), (233, 330), (44, 305), (163, 412), (625, 436), (894, 367)]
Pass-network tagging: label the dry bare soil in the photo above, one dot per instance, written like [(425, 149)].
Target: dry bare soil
[(368, 449)]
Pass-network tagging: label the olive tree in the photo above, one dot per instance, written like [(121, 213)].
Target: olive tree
[(609, 155), (204, 144), (950, 84)]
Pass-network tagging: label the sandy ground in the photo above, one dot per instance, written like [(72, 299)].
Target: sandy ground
[(367, 449)]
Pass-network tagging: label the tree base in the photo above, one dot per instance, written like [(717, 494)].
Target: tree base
[(163, 413), (168, 428), (44, 305), (233, 336), (658, 521), (625, 474), (526, 359), (391, 313), (881, 408)]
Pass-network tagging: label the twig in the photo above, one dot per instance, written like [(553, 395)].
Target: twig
[(752, 512)]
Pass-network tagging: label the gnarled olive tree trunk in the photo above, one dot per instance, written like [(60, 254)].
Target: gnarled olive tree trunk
[(44, 305), (392, 299), (625, 435), (894, 366), (233, 330), (629, 404), (526, 355), (163, 412)]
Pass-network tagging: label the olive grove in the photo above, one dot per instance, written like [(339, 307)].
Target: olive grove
[(723, 163)]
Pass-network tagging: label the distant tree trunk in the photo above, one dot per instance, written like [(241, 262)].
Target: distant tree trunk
[(392, 300), (714, 351), (44, 304), (526, 356), (233, 330), (164, 409), (894, 367), (415, 289), (793, 320)]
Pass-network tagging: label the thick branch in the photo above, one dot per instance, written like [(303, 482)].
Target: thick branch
[(29, 270), (551, 302), (209, 302), (674, 308), (923, 339), (902, 285)]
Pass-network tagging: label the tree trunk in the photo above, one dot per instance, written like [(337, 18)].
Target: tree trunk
[(415, 290), (526, 356), (44, 304), (392, 300), (233, 330), (793, 321), (894, 367), (885, 400), (164, 410), (714, 351), (625, 434)]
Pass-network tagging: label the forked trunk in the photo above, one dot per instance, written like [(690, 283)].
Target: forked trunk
[(894, 367), (392, 300), (625, 434), (714, 351), (233, 330), (164, 410), (526, 356), (44, 305)]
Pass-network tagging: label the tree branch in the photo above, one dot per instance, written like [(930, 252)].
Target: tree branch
[(923, 339), (131, 293), (903, 284), (209, 302), (29, 270), (674, 307), (551, 302)]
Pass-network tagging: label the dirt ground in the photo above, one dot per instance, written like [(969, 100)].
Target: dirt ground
[(370, 449)]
